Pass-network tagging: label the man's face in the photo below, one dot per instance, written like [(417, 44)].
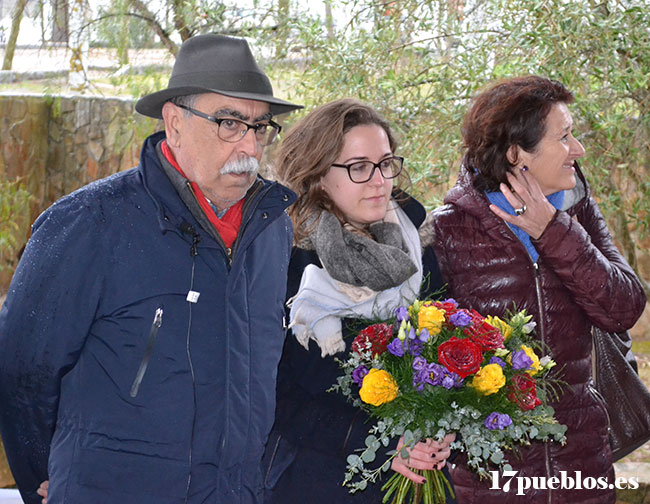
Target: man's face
[(204, 157)]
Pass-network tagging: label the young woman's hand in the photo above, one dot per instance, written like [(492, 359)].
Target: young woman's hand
[(425, 455), (42, 491)]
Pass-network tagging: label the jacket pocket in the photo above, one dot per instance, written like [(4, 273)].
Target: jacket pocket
[(277, 458), (151, 341), (123, 475)]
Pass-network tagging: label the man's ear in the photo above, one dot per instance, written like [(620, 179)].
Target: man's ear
[(173, 118), (513, 154)]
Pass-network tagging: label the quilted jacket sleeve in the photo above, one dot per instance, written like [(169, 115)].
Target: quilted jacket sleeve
[(582, 253), (50, 306)]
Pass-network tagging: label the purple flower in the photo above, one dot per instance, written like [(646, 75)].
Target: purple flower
[(424, 335), (460, 319), (434, 374), (402, 313), (419, 379), (496, 360), (419, 363), (497, 421), (423, 373), (447, 382), (359, 373), (450, 380), (521, 361), (396, 347), (414, 347), (425, 376)]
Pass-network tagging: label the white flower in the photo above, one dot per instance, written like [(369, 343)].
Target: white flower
[(546, 362), (529, 327)]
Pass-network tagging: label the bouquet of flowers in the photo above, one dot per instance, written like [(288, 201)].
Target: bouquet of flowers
[(437, 368)]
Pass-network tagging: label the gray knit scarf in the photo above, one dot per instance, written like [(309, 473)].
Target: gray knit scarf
[(379, 263)]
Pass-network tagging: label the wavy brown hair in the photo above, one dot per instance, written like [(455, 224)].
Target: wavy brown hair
[(510, 112), (308, 151)]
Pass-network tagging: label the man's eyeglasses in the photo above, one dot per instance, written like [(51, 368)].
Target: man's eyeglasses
[(233, 130), (362, 171)]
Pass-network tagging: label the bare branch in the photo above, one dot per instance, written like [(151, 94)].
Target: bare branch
[(160, 31)]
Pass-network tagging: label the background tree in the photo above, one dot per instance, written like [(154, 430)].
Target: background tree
[(16, 18), (59, 20), (421, 61), (423, 77)]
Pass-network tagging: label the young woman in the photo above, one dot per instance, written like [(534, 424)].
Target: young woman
[(357, 255)]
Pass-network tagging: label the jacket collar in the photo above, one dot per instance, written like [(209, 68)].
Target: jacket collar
[(412, 207)]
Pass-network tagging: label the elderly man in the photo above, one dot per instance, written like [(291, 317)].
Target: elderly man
[(143, 327)]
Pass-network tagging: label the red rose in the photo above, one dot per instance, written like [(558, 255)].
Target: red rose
[(523, 392), (483, 334), (460, 356), (378, 335), (450, 308)]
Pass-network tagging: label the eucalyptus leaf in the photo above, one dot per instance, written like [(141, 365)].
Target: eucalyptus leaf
[(368, 456)]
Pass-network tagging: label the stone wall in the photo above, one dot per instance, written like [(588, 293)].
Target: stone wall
[(56, 144)]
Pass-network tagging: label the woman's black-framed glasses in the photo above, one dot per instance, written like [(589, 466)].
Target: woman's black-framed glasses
[(233, 130), (362, 171)]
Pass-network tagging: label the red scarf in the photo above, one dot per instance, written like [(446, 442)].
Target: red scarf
[(228, 226)]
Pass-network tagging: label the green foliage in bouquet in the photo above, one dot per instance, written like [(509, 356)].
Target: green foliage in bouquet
[(436, 369)]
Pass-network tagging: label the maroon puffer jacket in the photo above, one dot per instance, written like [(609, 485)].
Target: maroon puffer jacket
[(580, 279)]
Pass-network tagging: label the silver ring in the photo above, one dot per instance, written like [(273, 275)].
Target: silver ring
[(520, 211)]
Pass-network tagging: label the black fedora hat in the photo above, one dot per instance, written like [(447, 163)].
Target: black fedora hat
[(215, 64)]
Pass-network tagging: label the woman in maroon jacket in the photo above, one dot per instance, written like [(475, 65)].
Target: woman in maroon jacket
[(520, 229)]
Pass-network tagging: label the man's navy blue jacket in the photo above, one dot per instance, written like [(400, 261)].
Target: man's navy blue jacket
[(113, 385)]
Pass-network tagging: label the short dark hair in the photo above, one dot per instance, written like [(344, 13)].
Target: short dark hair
[(510, 112)]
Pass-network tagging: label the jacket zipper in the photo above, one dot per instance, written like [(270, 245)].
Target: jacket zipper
[(151, 340), (247, 204), (542, 333), (593, 390), (538, 289), (250, 201), (227, 250)]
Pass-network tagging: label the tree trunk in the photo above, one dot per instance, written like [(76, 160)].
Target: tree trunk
[(282, 32), (60, 14), (329, 19), (79, 45), (16, 18), (124, 42)]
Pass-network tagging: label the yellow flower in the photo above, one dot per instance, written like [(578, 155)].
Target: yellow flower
[(505, 329), (431, 318), (378, 387), (489, 379), (536, 366)]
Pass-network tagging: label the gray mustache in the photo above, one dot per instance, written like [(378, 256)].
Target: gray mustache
[(242, 165)]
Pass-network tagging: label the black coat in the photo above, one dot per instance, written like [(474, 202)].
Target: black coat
[(316, 430)]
